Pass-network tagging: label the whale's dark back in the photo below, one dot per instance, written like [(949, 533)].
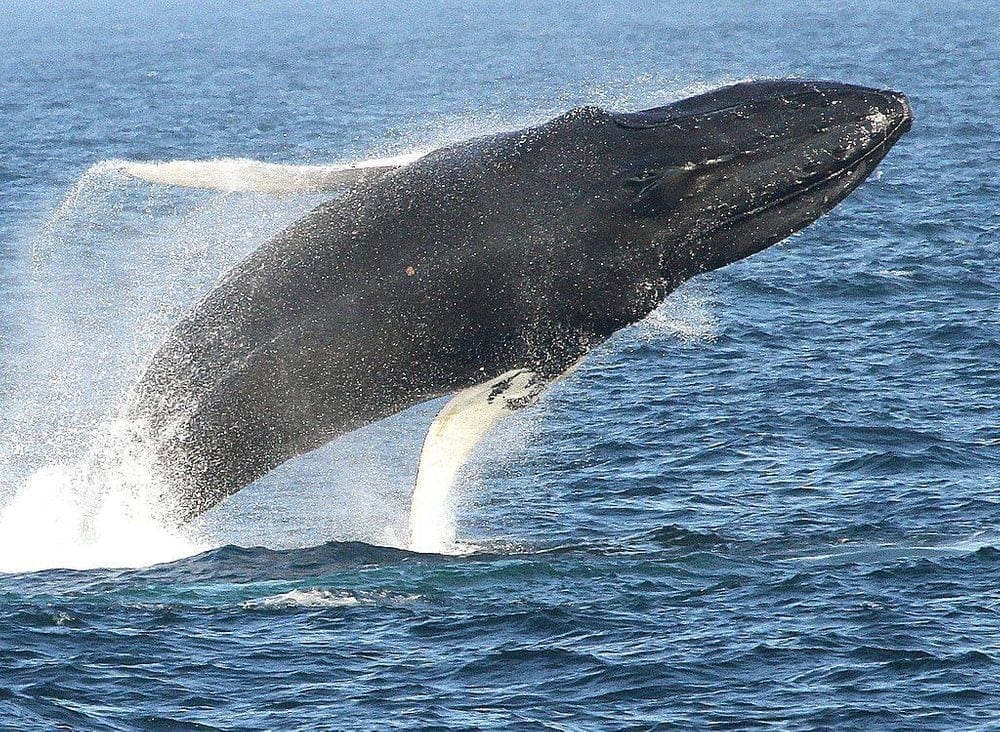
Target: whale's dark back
[(413, 285)]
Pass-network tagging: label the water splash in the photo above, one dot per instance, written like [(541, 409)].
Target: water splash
[(687, 314), (104, 511), (118, 262), (113, 268)]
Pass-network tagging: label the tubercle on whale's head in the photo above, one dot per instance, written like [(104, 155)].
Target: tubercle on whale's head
[(717, 177)]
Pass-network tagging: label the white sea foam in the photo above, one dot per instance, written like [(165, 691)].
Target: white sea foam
[(305, 598), (897, 273), (103, 511), (318, 597)]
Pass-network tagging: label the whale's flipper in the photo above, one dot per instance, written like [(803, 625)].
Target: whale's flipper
[(460, 425), (240, 175)]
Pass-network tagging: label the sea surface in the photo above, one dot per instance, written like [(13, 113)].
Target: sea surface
[(773, 504)]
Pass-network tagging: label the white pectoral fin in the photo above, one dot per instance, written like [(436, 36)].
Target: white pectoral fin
[(453, 435), (240, 175)]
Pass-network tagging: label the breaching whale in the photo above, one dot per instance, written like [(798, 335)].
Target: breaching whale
[(489, 268)]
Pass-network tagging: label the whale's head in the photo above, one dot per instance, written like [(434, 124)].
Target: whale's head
[(711, 179), (726, 174)]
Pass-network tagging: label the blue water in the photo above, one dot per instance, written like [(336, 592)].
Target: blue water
[(773, 504)]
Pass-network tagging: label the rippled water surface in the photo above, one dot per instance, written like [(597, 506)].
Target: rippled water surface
[(774, 502)]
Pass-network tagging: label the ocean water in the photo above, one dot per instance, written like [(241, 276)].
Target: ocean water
[(774, 503)]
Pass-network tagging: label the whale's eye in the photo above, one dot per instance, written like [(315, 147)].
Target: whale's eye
[(644, 178), (645, 186)]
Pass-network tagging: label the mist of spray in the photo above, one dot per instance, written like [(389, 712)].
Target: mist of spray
[(130, 248), (108, 274)]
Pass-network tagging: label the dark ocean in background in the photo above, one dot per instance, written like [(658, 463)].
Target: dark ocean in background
[(772, 504)]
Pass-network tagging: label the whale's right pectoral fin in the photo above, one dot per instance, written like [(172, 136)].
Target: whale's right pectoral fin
[(452, 437)]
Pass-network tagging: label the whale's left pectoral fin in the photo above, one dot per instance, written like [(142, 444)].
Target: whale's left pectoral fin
[(240, 175), (453, 435)]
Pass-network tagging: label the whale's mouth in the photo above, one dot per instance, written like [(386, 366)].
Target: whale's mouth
[(863, 162)]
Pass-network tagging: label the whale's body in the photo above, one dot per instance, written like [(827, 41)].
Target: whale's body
[(509, 254)]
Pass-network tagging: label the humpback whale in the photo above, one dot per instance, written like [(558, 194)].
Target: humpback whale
[(488, 269)]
